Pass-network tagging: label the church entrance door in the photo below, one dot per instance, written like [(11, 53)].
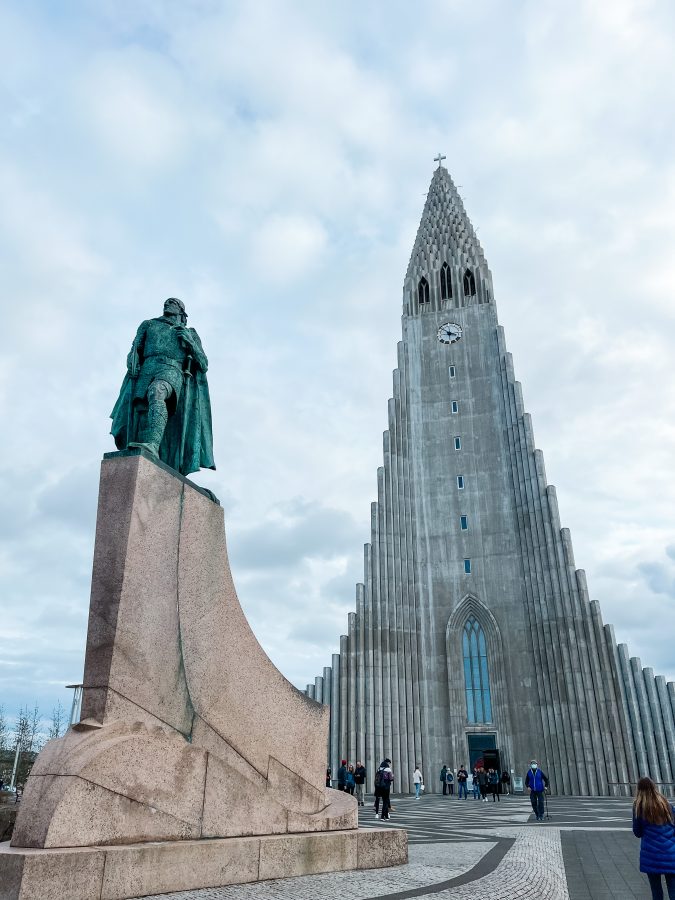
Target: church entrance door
[(478, 744)]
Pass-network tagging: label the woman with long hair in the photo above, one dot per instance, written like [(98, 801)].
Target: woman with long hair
[(654, 823)]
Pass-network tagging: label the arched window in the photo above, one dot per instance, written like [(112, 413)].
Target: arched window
[(423, 291), (469, 284), (446, 282), (476, 679)]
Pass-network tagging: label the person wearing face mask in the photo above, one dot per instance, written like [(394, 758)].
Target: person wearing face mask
[(536, 783)]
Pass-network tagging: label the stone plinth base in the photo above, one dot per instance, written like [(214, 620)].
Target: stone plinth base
[(136, 870)]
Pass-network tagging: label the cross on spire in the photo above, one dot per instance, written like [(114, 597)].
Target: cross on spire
[(439, 159)]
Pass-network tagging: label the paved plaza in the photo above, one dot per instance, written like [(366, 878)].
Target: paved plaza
[(469, 850)]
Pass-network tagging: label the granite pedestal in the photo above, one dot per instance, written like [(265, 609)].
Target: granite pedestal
[(188, 731)]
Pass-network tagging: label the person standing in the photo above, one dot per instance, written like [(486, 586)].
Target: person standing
[(418, 781), (494, 785), (506, 781), (474, 784), (384, 778), (536, 783), (444, 772), (654, 824), (360, 781), (350, 783), (328, 778), (450, 779), (483, 784), (342, 776), (462, 778)]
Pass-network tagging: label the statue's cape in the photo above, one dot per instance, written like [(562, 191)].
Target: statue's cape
[(193, 409)]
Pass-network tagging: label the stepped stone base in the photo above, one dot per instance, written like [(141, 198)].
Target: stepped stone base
[(136, 870)]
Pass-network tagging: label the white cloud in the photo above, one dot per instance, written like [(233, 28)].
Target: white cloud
[(132, 102), (286, 247)]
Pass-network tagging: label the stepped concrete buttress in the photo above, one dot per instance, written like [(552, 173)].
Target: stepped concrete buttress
[(188, 731)]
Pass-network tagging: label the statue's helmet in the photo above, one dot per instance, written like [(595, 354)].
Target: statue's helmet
[(174, 301)]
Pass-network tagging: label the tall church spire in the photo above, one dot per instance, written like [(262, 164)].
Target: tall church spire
[(445, 237)]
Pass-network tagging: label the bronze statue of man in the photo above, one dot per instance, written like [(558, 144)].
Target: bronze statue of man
[(164, 404)]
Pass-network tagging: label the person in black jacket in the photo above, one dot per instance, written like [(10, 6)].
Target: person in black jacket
[(384, 778), (360, 779), (483, 783), (342, 776)]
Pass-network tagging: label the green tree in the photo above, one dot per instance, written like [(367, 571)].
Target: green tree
[(58, 723), (26, 741)]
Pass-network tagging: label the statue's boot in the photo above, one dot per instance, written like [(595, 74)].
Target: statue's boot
[(152, 434)]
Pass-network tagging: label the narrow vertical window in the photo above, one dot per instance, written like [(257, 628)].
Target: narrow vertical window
[(451, 371), (469, 283), (455, 406), (476, 678), (460, 482), (467, 566), (464, 523), (423, 291), (446, 282), (458, 443)]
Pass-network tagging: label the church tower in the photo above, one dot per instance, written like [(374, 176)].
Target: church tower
[(473, 632)]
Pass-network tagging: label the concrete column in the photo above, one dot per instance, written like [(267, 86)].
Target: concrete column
[(311, 691), (350, 749), (369, 630), (668, 721), (413, 624), (615, 723), (658, 727), (646, 718), (327, 685), (361, 676), (394, 751), (335, 714), (384, 615), (378, 637), (624, 725), (399, 753), (318, 688), (632, 700), (344, 696)]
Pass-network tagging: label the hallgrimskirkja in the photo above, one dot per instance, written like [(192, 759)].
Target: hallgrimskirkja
[(474, 636)]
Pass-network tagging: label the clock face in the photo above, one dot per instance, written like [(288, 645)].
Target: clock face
[(449, 333)]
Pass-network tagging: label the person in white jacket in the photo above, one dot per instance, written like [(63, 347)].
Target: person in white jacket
[(418, 781)]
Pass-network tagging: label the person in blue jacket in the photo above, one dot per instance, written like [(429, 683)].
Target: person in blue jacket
[(536, 783), (654, 823)]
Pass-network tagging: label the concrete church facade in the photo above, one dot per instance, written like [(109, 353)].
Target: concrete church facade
[(473, 628)]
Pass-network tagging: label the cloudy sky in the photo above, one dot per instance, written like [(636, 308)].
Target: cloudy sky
[(266, 162)]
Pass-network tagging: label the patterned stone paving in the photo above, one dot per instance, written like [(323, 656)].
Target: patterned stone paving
[(468, 850)]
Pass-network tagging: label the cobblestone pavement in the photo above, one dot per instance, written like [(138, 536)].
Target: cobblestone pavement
[(473, 851)]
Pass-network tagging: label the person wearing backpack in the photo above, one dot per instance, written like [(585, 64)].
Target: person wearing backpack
[(444, 772), (450, 781), (384, 778), (654, 824)]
